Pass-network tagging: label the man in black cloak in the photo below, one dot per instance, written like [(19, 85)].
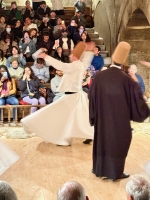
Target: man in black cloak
[(114, 100)]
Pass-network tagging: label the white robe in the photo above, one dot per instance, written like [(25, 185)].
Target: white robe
[(69, 116), (7, 158)]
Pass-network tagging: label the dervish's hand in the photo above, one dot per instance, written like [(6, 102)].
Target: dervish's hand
[(145, 63), (42, 55), (90, 46)]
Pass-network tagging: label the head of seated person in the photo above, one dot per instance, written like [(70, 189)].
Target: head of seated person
[(71, 190), (40, 62), (138, 188), (2, 20), (97, 50), (45, 36), (84, 37), (33, 33), (6, 192), (53, 14)]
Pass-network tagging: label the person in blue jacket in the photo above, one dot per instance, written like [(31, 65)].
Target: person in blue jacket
[(98, 61), (136, 77)]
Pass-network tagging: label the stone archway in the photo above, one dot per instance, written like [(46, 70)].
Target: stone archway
[(102, 25), (137, 33)]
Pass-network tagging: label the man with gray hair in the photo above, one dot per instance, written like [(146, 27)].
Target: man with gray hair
[(136, 77), (6, 192), (138, 188), (71, 190)]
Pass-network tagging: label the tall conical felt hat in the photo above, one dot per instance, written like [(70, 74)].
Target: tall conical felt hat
[(121, 52), (79, 49)]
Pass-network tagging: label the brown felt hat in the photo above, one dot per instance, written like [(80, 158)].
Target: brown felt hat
[(121, 53), (14, 59), (79, 49)]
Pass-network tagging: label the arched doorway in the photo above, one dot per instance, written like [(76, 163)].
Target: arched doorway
[(137, 33)]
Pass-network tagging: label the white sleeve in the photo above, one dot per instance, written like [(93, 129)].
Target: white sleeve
[(65, 67), (87, 58), (35, 55)]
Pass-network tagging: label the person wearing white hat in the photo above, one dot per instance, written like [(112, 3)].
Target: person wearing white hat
[(68, 116), (114, 100)]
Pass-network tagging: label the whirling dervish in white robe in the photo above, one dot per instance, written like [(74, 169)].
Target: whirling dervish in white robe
[(68, 117), (7, 158)]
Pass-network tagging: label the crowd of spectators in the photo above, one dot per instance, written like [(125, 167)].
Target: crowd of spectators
[(22, 34)]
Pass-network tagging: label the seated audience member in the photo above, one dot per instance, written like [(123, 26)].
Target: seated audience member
[(41, 71), (47, 94), (18, 31), (15, 70), (72, 28), (13, 14), (77, 35), (137, 78), (92, 71), (86, 81), (2, 5), (28, 24), (58, 6), (59, 28), (8, 31), (2, 58), (44, 25), (33, 34), (80, 20), (85, 38), (71, 190), (43, 10), (29, 86), (53, 19), (15, 54), (6, 192), (138, 188), (6, 45), (2, 24), (7, 89), (45, 42), (66, 44), (27, 11), (79, 6), (28, 47), (59, 54), (98, 61), (55, 82)]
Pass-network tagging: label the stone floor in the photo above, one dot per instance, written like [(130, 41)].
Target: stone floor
[(17, 132)]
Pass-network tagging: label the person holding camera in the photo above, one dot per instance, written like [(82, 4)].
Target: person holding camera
[(15, 54), (28, 47), (7, 90), (29, 86), (43, 10)]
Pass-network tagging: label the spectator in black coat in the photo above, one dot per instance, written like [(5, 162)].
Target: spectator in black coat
[(18, 31), (43, 10), (45, 42)]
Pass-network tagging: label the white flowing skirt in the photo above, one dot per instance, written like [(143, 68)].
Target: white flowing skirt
[(7, 158), (63, 119)]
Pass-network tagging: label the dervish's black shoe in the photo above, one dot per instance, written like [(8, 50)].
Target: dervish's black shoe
[(122, 176), (92, 171), (87, 141)]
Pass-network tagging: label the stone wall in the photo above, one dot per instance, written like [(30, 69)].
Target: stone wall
[(111, 19)]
